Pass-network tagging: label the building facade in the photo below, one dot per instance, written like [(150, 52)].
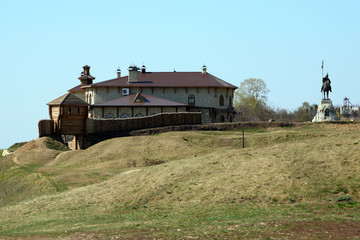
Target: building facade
[(144, 93)]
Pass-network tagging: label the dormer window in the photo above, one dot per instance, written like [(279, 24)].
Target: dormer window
[(139, 98)]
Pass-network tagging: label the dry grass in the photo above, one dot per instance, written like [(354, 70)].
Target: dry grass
[(313, 164)]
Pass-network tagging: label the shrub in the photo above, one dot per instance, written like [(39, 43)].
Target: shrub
[(56, 145)]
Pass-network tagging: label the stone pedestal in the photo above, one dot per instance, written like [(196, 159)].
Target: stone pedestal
[(326, 112)]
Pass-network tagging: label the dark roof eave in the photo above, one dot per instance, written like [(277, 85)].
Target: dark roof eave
[(134, 105), (138, 85)]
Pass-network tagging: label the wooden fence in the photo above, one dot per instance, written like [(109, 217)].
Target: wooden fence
[(93, 126), (128, 124)]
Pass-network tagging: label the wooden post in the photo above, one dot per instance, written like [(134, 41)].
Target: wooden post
[(243, 137)]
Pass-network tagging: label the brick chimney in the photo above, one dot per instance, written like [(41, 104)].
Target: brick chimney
[(133, 74), (86, 78)]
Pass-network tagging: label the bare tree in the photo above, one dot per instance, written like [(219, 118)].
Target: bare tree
[(250, 101)]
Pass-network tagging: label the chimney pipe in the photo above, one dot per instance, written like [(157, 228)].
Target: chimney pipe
[(118, 72), (204, 69)]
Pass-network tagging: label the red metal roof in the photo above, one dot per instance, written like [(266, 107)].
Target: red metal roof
[(147, 101), (77, 89), (167, 79)]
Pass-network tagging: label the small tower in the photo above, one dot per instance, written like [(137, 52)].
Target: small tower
[(118, 72), (204, 69), (69, 114), (86, 78)]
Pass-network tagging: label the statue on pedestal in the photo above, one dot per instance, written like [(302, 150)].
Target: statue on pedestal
[(326, 86), (326, 110)]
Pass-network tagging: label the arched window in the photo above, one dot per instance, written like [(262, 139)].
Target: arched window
[(109, 115), (139, 115), (124, 115), (89, 98), (191, 100), (222, 118), (230, 101), (221, 100)]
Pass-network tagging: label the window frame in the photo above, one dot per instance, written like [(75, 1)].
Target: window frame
[(191, 100)]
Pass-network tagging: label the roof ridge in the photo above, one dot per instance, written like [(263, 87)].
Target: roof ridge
[(64, 99)]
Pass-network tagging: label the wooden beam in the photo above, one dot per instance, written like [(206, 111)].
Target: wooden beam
[(50, 112)]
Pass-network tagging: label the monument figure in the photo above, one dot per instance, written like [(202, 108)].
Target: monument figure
[(326, 86), (326, 110)]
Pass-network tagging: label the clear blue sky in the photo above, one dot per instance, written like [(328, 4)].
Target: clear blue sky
[(44, 44)]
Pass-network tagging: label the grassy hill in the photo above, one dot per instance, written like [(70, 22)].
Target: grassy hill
[(188, 185)]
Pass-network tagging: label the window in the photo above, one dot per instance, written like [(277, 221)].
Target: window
[(221, 100), (69, 110), (230, 101), (79, 111), (89, 101), (191, 100), (109, 115), (139, 115), (124, 115)]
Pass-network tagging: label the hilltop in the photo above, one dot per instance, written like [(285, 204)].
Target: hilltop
[(193, 184)]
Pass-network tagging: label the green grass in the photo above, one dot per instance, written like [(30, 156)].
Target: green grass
[(195, 184), (16, 146), (1, 151), (225, 221), (56, 145)]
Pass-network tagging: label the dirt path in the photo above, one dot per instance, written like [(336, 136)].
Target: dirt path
[(130, 171), (55, 161), (16, 161)]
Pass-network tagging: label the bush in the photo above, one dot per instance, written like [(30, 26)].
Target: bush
[(56, 145), (16, 146), (344, 199)]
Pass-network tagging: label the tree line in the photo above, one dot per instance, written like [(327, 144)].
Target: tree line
[(250, 103)]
